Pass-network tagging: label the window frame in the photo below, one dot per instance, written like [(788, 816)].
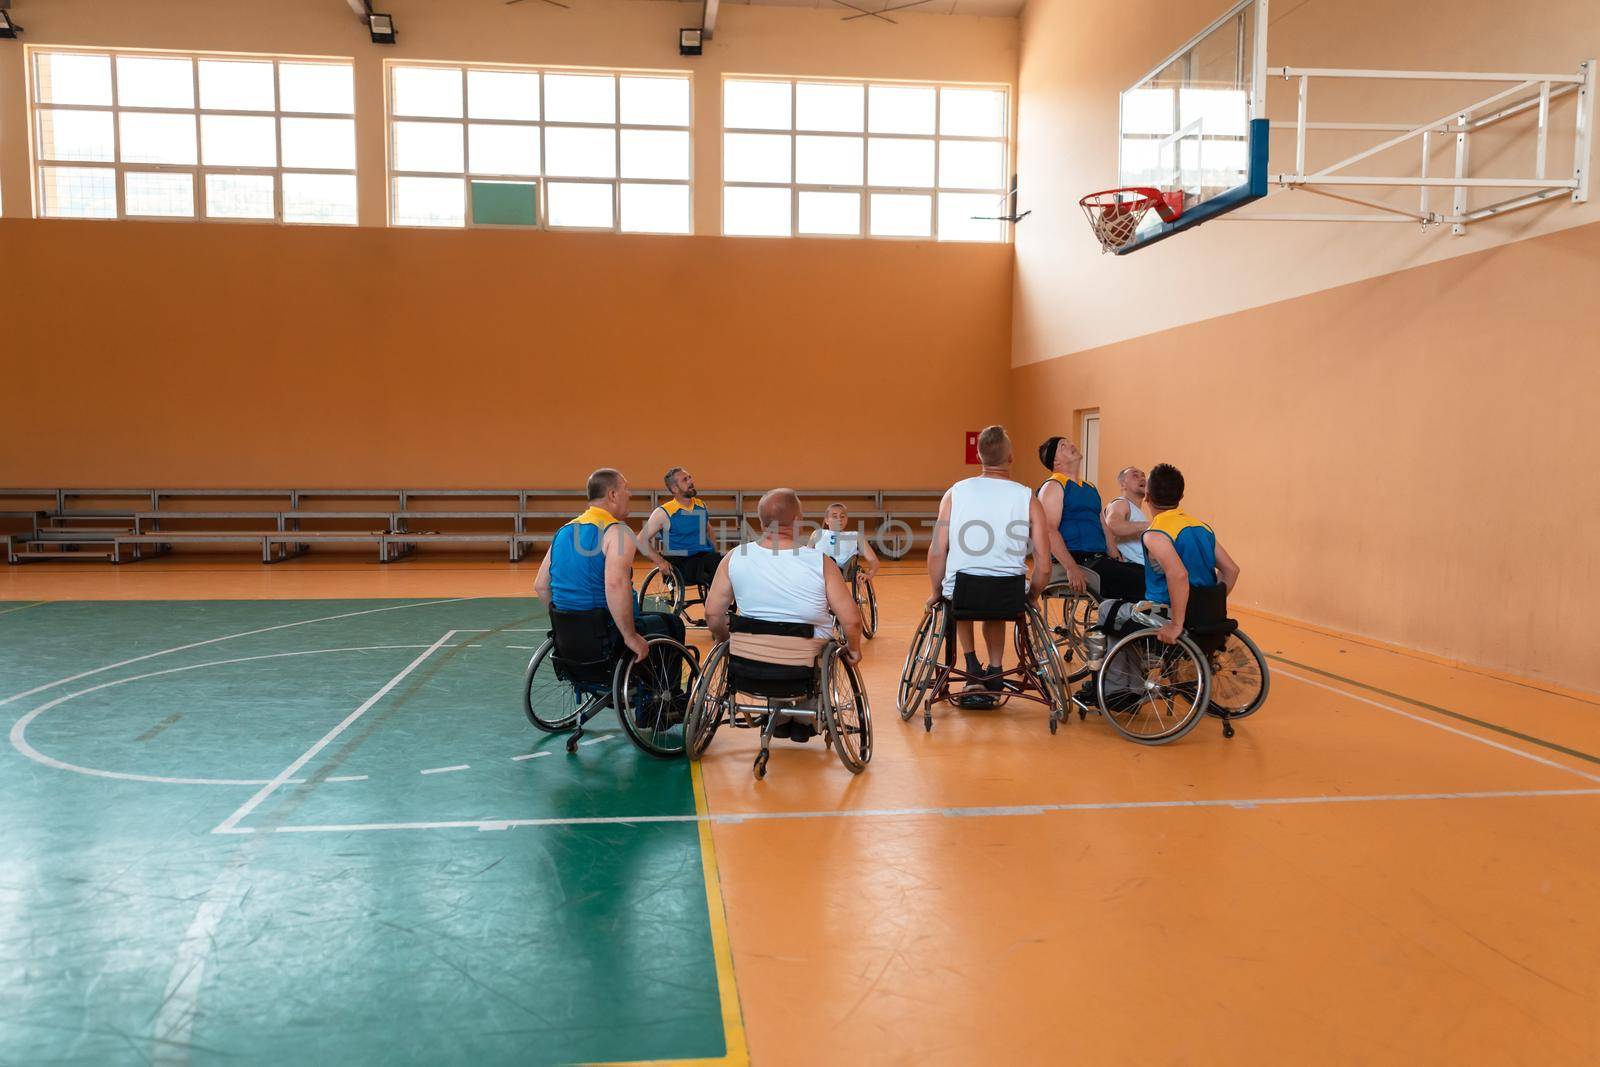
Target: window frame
[(866, 189), (199, 169), (542, 180)]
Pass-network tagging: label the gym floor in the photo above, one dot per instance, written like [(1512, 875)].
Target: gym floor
[(236, 796)]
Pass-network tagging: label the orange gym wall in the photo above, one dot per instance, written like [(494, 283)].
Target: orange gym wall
[(216, 355), (1409, 457)]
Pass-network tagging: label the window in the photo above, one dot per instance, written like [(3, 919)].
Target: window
[(853, 159), (147, 135), (475, 146)]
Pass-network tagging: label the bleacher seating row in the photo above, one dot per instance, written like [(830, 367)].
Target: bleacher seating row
[(124, 525)]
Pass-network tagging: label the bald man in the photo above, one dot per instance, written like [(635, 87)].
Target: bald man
[(776, 578)]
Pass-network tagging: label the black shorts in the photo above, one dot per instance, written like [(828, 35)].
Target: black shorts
[(697, 569)]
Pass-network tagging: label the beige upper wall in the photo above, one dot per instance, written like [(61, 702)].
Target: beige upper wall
[(596, 33), (1077, 56)]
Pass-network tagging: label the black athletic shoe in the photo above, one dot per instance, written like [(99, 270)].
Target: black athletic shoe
[(993, 682)]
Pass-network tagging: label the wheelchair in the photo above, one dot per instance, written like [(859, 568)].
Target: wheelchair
[(582, 668), (1069, 616), (675, 595), (930, 674), (865, 596), (772, 677), (1154, 693)]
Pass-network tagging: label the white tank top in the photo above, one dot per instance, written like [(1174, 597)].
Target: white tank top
[(988, 529), (840, 544), (1132, 549), (781, 585)]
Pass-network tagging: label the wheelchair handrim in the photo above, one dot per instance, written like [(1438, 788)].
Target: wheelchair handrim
[(540, 659), (652, 683), (1259, 662), (1169, 681)]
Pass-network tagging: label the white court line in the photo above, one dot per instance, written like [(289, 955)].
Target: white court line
[(596, 740), (347, 778), (732, 818), (1438, 725), (174, 1020), (19, 729), (447, 770), (531, 755), (225, 637), (227, 825), (525, 648)]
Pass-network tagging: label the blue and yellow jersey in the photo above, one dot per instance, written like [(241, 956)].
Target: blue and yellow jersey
[(688, 531), (578, 562), (1197, 548), (1080, 515)]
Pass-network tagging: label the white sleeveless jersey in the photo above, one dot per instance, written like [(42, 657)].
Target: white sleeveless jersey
[(1132, 550), (988, 529), (840, 544), (781, 585)]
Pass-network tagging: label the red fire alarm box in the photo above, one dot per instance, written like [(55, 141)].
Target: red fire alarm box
[(972, 446)]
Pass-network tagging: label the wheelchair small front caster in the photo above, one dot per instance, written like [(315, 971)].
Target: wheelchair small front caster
[(1227, 728), (761, 764), (572, 743), (927, 723), (1053, 723)]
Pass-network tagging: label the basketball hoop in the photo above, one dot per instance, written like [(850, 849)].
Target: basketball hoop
[(1115, 214)]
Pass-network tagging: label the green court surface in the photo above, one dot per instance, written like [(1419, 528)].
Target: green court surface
[(323, 831)]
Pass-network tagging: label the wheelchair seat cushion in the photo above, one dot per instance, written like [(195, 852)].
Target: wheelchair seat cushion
[(586, 645), (989, 597)]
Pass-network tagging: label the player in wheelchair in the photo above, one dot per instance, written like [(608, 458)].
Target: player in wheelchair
[(978, 565), (1176, 655), (600, 651), (776, 666), (681, 525), (856, 559)]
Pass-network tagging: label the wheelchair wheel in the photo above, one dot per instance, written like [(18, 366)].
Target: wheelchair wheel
[(553, 704), (1153, 692), (845, 714), (1239, 677), (922, 659), (664, 589), (866, 599), (652, 696), (1045, 660), (707, 703), (1068, 616)]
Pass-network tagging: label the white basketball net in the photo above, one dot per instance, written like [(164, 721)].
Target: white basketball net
[(1115, 215)]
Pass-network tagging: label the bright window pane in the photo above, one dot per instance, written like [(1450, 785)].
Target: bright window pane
[(76, 135), (433, 92), (502, 94), (655, 208), (756, 105), (78, 192), (899, 162), (579, 152), (655, 102), (238, 141), (755, 157), (900, 109), (579, 98), (580, 204), (971, 164), (503, 149), (655, 154), (956, 221), (326, 143), (158, 195), (830, 213), (755, 212), (154, 138), (325, 198), (226, 85), (827, 160), (428, 146), (972, 112), (829, 107), (68, 78), (320, 88), (430, 202), (239, 196), (1147, 111), (899, 215), (147, 82)]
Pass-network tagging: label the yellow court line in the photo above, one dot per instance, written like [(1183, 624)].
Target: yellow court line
[(24, 607), (738, 1052)]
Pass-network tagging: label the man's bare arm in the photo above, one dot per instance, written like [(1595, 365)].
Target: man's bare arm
[(541, 581), (1227, 569), (1117, 521), (843, 606), (939, 549), (618, 546), (719, 600), (1038, 535)]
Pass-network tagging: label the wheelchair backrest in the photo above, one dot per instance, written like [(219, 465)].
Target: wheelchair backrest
[(987, 596), (772, 658), (1206, 617), (586, 642)]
